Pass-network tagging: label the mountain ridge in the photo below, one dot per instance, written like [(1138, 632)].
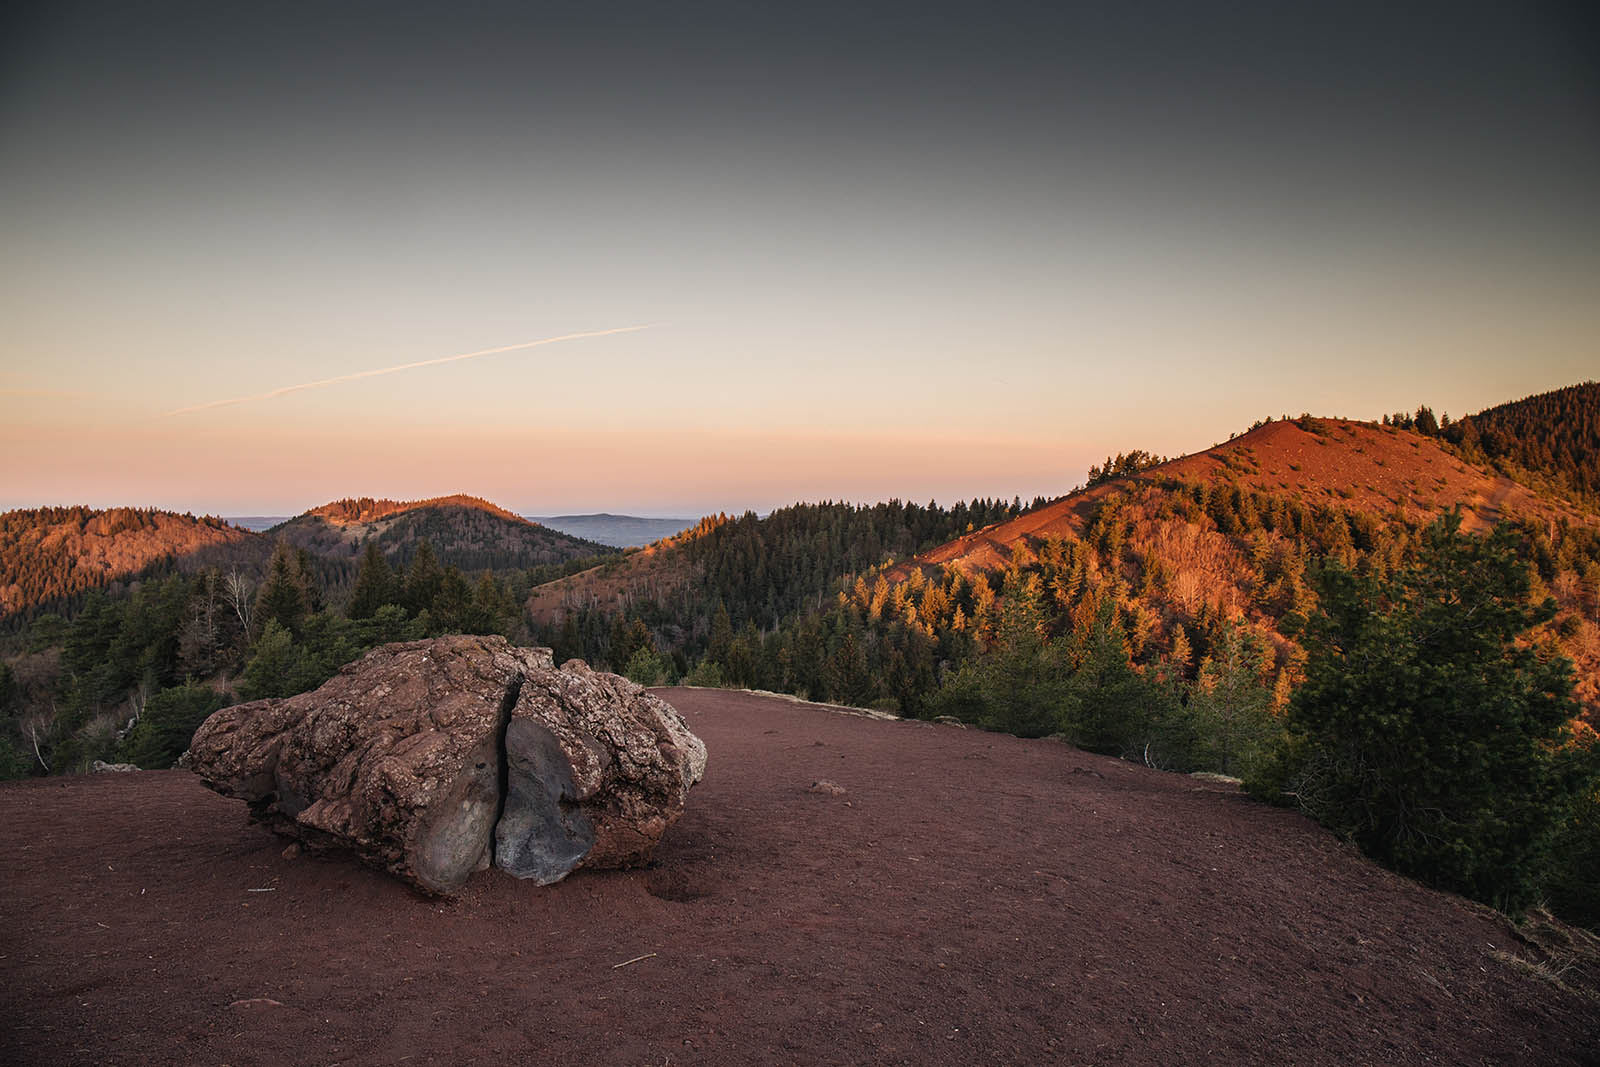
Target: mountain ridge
[(351, 511)]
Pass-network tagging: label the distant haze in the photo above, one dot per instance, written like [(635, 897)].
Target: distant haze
[(258, 523), (618, 531), (886, 250)]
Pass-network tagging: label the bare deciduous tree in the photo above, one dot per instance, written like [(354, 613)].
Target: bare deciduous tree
[(241, 597)]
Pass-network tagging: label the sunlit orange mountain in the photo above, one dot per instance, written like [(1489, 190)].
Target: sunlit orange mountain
[(51, 553), (1362, 466)]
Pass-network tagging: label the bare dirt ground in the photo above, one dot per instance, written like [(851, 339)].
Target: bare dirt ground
[(968, 898)]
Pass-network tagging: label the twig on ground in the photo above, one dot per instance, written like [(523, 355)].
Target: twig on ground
[(635, 959)]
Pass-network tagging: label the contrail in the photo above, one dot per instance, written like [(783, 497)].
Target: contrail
[(404, 366)]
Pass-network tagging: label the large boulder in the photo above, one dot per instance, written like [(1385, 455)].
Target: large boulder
[(435, 759)]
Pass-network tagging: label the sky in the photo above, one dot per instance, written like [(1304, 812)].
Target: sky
[(821, 251)]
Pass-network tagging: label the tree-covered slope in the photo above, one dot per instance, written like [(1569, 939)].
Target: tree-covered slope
[(48, 555), (1556, 434), (755, 570), (464, 531)]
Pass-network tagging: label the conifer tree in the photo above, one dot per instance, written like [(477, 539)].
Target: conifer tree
[(285, 596), (452, 604), (848, 679), (375, 584), (721, 637), (423, 580), (1181, 653), (1231, 704)]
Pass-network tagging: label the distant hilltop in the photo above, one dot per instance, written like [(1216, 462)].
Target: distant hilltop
[(466, 531), (365, 509)]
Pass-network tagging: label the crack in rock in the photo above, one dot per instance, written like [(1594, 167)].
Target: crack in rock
[(436, 759)]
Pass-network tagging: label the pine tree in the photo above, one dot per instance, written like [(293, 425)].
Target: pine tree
[(285, 596), (167, 724), (1111, 710), (452, 604), (848, 679), (423, 580), (721, 637), (492, 610), (1430, 729), (1181, 654), (375, 585), (1231, 705)]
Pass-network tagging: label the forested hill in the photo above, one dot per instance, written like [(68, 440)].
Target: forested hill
[(54, 554), (464, 531), (753, 571), (356, 510), (1237, 534), (1556, 434)]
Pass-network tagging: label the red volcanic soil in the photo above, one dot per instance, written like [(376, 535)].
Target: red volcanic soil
[(967, 898)]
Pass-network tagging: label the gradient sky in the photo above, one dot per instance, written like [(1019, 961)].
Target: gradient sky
[(917, 251)]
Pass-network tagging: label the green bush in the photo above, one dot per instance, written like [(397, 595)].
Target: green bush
[(705, 673), (647, 667)]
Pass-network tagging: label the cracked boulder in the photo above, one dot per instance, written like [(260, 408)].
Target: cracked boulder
[(436, 759)]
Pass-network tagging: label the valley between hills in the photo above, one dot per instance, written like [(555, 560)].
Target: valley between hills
[(1350, 618)]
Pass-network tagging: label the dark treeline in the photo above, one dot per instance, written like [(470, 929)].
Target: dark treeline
[(1555, 435), (753, 573)]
